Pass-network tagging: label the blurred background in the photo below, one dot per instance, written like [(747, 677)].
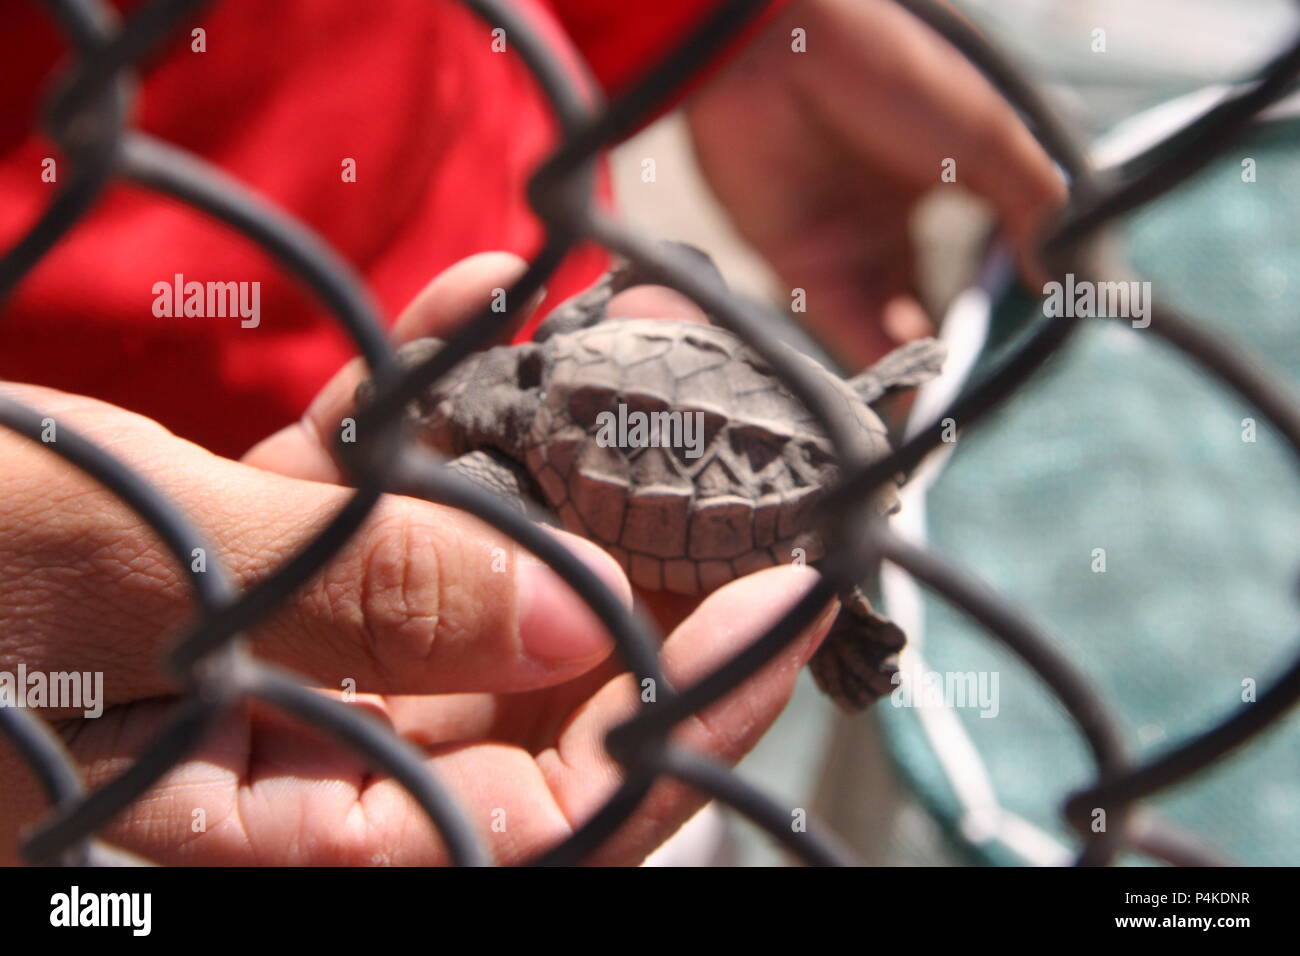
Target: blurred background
[(1119, 446)]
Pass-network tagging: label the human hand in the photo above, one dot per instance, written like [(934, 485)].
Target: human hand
[(820, 157), (496, 670)]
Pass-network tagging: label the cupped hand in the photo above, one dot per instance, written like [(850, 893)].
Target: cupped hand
[(469, 649)]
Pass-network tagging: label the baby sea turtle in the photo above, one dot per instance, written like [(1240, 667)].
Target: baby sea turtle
[(673, 446)]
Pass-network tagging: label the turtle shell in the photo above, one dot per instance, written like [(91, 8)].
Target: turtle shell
[(726, 484)]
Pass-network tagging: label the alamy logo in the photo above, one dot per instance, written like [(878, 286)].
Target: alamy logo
[(76, 908), (636, 429), (949, 689), (1085, 299), (209, 300), (64, 690)]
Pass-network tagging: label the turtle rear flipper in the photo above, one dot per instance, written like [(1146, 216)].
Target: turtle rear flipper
[(856, 664), (908, 366)]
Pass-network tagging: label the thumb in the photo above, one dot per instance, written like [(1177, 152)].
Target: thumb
[(423, 599)]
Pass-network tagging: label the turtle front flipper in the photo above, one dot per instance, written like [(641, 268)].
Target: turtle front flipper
[(856, 664), (907, 366), (496, 473), (588, 308)]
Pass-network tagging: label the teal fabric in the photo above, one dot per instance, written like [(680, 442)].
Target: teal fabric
[(1122, 444)]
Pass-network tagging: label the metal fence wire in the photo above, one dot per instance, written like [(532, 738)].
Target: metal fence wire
[(86, 116)]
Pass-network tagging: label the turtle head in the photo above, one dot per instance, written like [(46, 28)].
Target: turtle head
[(487, 400)]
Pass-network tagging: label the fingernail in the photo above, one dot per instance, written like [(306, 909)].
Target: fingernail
[(819, 628), (554, 622)]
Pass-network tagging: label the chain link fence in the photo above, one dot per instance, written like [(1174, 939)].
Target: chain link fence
[(86, 116)]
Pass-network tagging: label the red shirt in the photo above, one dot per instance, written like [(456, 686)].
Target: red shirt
[(443, 131)]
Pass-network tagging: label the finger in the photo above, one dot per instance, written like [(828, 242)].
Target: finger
[(426, 599), (303, 449), (904, 320), (460, 292), (268, 789), (367, 818), (655, 302), (582, 774)]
